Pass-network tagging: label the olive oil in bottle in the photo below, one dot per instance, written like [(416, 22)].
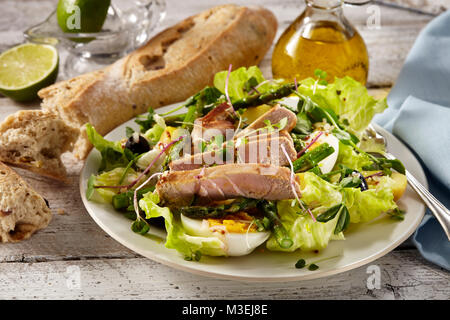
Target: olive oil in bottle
[(321, 38)]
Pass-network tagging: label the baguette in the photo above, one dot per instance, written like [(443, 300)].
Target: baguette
[(22, 210), (172, 66), (35, 140)]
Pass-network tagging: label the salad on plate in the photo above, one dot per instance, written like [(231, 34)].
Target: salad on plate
[(249, 163)]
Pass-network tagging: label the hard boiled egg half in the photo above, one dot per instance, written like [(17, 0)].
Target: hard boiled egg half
[(327, 164), (237, 232)]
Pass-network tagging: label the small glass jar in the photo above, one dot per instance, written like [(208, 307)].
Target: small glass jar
[(321, 38), (128, 25)]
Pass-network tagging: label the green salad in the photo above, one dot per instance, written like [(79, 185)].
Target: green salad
[(249, 163)]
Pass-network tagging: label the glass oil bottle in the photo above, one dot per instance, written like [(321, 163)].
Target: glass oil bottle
[(321, 38)]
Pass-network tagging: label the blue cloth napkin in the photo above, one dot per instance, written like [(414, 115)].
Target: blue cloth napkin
[(419, 114)]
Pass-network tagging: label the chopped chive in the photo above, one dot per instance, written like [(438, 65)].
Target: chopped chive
[(300, 264), (313, 267)]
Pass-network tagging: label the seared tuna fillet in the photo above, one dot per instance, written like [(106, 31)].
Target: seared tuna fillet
[(256, 150), (257, 181), (220, 118), (264, 135)]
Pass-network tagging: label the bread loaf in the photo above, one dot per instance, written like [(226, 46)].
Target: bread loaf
[(172, 66), (22, 210)]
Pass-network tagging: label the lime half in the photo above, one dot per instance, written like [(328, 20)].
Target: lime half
[(26, 69)]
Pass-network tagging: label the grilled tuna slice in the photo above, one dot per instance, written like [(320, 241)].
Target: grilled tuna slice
[(220, 118), (274, 115), (264, 135), (256, 150), (257, 181)]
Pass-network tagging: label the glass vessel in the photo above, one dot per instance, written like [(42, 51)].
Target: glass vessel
[(321, 38), (128, 25)]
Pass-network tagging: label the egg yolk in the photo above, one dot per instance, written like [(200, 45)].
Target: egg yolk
[(319, 141), (239, 222)]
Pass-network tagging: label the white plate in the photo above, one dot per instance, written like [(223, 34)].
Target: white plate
[(364, 242)]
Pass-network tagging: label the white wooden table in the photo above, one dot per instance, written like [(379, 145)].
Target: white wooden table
[(74, 248)]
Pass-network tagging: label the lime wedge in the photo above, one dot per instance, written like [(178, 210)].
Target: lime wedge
[(26, 69)]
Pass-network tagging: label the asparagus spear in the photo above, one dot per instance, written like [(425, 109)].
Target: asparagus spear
[(174, 120), (254, 100), (312, 158), (299, 144), (281, 235), (215, 212), (258, 99)]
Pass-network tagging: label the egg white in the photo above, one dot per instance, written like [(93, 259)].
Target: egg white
[(235, 244), (327, 164), (291, 102)]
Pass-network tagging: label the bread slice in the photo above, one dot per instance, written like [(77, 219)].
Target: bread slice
[(22, 210), (35, 140), (172, 66)]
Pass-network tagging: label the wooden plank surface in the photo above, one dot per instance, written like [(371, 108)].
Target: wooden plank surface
[(37, 268), (403, 275)]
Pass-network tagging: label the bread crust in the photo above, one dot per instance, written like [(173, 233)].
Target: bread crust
[(22, 210), (172, 66)]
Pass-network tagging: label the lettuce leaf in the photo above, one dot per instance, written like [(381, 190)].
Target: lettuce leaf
[(177, 237), (149, 203), (113, 155), (308, 235), (242, 81), (111, 178), (238, 80), (347, 98), (154, 133), (348, 157), (318, 193), (366, 205)]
